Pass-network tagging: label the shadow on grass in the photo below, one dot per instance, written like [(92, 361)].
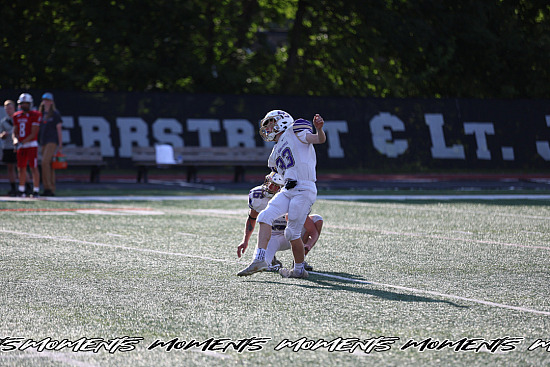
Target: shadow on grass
[(356, 284)]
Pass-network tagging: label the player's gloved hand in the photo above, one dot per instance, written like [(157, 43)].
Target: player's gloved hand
[(290, 184), (241, 249)]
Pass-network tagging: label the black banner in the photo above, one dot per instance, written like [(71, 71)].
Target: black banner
[(366, 133)]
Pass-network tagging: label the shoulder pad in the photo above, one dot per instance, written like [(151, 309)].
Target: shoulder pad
[(302, 125)]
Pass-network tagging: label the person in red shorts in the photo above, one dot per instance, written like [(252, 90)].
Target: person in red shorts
[(26, 125)]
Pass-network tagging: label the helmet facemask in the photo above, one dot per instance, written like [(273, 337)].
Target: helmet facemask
[(269, 129), (274, 123), (272, 184)]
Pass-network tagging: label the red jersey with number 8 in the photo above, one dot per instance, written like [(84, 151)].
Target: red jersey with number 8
[(25, 121)]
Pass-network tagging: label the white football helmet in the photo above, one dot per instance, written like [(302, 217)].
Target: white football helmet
[(25, 97), (272, 184), (281, 121)]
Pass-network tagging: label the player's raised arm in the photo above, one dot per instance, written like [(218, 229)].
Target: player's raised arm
[(319, 137)]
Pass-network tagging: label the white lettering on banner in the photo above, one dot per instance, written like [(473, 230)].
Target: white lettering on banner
[(507, 153), (480, 131), (97, 130), (68, 124), (381, 127), (204, 127), (131, 130), (333, 130), (543, 147), (239, 133), (439, 147), (168, 131)]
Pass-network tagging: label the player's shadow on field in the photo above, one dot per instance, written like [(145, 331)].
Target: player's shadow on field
[(337, 283)]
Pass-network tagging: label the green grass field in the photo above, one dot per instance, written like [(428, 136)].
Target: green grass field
[(385, 273)]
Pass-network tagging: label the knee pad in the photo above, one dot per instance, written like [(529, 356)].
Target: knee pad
[(292, 233)]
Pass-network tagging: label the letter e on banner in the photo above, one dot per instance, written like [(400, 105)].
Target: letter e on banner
[(381, 127)]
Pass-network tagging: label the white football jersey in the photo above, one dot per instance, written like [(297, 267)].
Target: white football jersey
[(258, 201), (292, 156)]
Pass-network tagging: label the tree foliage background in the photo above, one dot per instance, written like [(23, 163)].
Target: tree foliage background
[(360, 48)]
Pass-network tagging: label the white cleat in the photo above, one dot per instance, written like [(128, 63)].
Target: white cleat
[(291, 273), (254, 267)]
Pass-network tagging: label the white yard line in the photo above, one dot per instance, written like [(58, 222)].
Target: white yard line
[(408, 289), (34, 235), (59, 357), (412, 234)]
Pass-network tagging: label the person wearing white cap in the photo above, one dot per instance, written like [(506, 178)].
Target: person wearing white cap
[(50, 141)]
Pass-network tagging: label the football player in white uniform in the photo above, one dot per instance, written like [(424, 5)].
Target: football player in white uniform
[(293, 157), (258, 198)]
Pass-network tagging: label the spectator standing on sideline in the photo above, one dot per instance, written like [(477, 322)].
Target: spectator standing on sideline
[(26, 125), (6, 136), (50, 141)]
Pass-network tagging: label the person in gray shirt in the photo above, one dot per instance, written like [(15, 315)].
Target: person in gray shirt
[(8, 149)]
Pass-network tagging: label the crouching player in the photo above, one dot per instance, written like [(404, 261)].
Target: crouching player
[(258, 199)]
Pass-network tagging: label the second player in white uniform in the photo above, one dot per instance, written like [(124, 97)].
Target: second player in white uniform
[(258, 199)]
